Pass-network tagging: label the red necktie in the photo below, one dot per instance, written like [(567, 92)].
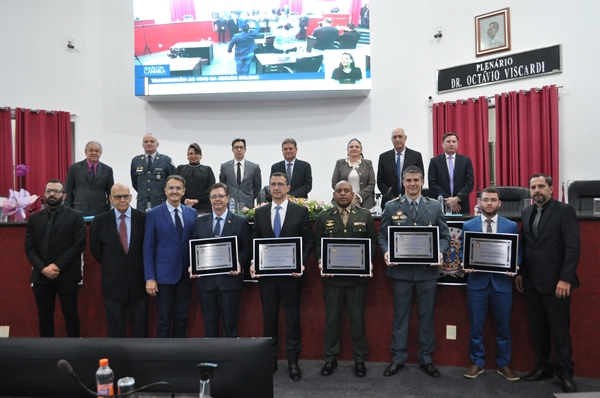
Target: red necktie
[(123, 233)]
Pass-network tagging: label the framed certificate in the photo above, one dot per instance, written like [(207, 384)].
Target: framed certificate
[(413, 245), (279, 256), (491, 252), (346, 256), (213, 256)]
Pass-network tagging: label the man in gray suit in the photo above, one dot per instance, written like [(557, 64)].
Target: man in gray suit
[(412, 209), (89, 182), (241, 176)]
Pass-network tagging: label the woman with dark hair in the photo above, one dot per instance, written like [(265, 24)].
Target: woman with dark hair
[(358, 172), (347, 69), (198, 180)]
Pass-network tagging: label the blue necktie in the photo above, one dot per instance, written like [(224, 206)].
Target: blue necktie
[(451, 168), (277, 222), (218, 227), (399, 171), (178, 224)]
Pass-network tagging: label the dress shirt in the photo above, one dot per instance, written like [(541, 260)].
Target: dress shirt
[(242, 167), (293, 162), (91, 165), (494, 224), (127, 222), (453, 162), (172, 213), (281, 212), (222, 222)]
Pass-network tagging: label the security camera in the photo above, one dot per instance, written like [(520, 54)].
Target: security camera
[(70, 45), (437, 35)]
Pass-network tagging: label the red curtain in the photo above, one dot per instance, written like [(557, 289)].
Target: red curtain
[(179, 8), (527, 136), (7, 171), (43, 142), (296, 6), (355, 7), (468, 119)]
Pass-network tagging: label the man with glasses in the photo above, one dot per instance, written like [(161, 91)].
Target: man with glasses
[(169, 227), (116, 241), (54, 241), (220, 295), (280, 219), (241, 176), (489, 289)]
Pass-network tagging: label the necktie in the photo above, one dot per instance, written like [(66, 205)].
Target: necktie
[(239, 174), (451, 169), (178, 224), (288, 171), (149, 162), (123, 233), (344, 214), (413, 209), (218, 227), (277, 222), (536, 221), (92, 173), (399, 172), (48, 234), (489, 222)]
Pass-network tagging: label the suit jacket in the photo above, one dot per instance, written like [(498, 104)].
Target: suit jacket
[(439, 179), (250, 186), (360, 224), (387, 176), (301, 183), (87, 195), (234, 226), (554, 255), (325, 36), (67, 242), (366, 176), (428, 214), (348, 40), (480, 280), (122, 273), (150, 183), (166, 257)]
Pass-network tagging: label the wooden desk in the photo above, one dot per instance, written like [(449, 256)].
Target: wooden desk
[(274, 63), (194, 49)]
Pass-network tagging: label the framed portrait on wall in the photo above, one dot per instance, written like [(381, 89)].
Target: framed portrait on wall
[(492, 32)]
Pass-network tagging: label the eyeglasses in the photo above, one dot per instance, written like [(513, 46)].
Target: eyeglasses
[(121, 197), (213, 197), (239, 147), (55, 191), (486, 200), (173, 188)]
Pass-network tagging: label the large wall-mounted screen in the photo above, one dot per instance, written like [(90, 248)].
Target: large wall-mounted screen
[(243, 46)]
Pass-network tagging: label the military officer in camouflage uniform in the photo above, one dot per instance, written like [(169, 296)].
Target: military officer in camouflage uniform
[(149, 172), (345, 221)]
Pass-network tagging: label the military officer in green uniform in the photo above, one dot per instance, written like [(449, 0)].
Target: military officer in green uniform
[(149, 172), (345, 221)]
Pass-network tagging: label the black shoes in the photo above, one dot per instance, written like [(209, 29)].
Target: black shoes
[(568, 385), (328, 368), (359, 369), (392, 369), (430, 370), (539, 373), (295, 373)]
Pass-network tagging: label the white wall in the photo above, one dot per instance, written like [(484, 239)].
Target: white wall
[(95, 81)]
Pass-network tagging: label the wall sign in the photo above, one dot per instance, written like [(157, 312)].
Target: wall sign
[(538, 62)]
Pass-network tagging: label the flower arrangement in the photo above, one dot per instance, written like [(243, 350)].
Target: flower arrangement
[(18, 202), (21, 170), (315, 207)]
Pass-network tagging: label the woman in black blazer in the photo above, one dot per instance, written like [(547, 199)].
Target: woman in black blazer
[(198, 180), (358, 172)]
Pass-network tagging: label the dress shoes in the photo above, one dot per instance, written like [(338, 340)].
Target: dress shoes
[(295, 373), (328, 368), (568, 385), (539, 373), (473, 372), (392, 369), (360, 369), (430, 369), (508, 373)]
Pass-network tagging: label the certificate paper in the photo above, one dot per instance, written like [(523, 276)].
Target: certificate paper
[(413, 245), (213, 256), (280, 256), (346, 256), (491, 252)]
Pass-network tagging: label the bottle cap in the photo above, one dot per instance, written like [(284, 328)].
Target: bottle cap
[(104, 362)]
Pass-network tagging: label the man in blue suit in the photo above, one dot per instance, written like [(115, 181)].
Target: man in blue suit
[(485, 288), (169, 227), (220, 295)]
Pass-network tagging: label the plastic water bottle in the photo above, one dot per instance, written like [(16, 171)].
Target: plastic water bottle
[(441, 200), (232, 205), (105, 379)]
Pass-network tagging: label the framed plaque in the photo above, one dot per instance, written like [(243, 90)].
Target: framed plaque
[(346, 256), (414, 245), (491, 252), (213, 256), (278, 256)]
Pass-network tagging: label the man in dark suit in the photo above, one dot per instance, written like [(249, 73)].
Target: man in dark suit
[(283, 218), (551, 245), (349, 38), (149, 172), (391, 165), (451, 175), (412, 209), (242, 176), (299, 172), (89, 182), (489, 289), (325, 35), (54, 241), (345, 221), (169, 227), (220, 295), (116, 241)]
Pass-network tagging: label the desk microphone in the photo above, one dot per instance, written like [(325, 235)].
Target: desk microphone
[(68, 369)]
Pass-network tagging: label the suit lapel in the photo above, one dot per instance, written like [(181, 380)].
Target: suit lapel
[(545, 217), (227, 224), (58, 219), (114, 231), (169, 220)]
